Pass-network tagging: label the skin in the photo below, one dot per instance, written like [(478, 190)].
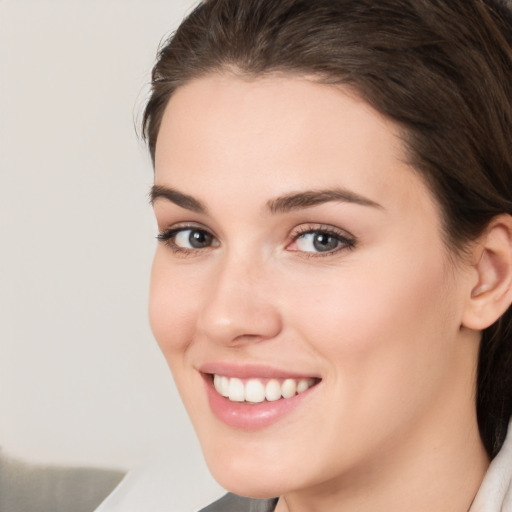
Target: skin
[(391, 425)]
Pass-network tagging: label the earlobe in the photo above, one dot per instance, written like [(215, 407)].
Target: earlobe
[(491, 296)]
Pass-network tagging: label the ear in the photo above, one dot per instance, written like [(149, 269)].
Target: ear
[(491, 296)]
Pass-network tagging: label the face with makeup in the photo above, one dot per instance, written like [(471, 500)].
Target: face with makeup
[(301, 290)]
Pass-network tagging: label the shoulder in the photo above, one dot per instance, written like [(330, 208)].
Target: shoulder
[(233, 503)]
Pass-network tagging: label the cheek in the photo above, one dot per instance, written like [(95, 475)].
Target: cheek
[(352, 310), (385, 326), (173, 301), (171, 306)]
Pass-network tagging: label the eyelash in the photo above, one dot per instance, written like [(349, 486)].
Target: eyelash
[(345, 239)]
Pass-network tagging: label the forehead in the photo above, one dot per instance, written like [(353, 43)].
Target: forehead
[(286, 109), (269, 136)]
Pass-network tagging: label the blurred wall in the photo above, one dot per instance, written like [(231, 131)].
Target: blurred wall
[(82, 382)]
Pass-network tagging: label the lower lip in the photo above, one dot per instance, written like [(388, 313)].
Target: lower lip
[(248, 416)]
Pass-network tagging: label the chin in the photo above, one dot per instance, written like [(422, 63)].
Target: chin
[(250, 476)]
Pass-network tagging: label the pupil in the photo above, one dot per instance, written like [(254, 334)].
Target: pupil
[(199, 239), (323, 242)]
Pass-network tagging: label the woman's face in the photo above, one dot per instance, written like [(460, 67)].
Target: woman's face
[(301, 266)]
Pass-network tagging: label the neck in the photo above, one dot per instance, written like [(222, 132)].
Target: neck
[(401, 482)]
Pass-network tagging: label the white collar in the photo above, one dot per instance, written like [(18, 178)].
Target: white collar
[(495, 493)]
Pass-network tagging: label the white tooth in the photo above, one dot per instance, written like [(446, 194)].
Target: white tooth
[(304, 384), (224, 386), (216, 383), (273, 390), (221, 384), (236, 390), (254, 391), (289, 388)]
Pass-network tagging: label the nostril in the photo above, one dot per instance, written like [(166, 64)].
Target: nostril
[(248, 338)]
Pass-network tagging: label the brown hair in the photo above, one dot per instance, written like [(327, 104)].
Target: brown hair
[(441, 69)]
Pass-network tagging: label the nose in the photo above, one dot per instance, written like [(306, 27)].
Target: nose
[(238, 307)]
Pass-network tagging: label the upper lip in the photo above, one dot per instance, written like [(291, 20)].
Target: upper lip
[(248, 371)]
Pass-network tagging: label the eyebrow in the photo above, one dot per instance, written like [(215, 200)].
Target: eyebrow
[(178, 198), (307, 199), (281, 204)]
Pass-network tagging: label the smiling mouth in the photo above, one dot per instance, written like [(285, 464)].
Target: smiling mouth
[(260, 390)]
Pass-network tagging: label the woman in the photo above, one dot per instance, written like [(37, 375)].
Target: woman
[(333, 280)]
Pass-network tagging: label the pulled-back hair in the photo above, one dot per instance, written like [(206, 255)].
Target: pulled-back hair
[(441, 69)]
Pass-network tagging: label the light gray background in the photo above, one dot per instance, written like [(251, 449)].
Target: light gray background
[(82, 381)]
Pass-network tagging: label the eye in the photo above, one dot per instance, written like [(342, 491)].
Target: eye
[(187, 239), (193, 239), (320, 240)]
